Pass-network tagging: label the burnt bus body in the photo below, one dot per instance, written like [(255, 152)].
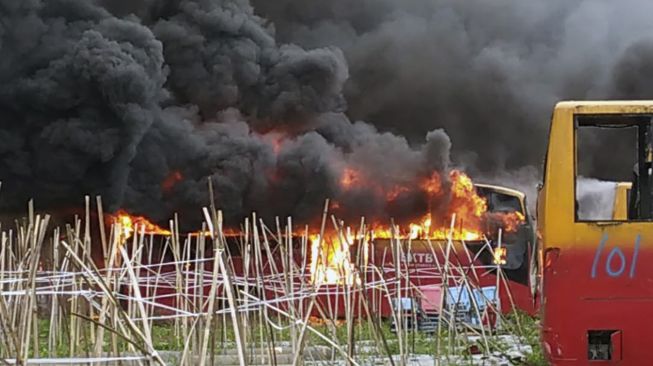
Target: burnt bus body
[(420, 262), (521, 244), (519, 265), (417, 259)]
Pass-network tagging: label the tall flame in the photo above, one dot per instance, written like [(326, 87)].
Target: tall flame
[(467, 203), (331, 259), (464, 202), (130, 223)]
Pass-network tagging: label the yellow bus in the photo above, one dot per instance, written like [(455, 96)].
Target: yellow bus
[(597, 281)]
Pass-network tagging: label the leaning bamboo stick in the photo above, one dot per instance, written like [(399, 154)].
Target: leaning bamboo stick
[(302, 333), (445, 273), (210, 310)]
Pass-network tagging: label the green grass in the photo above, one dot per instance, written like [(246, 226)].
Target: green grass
[(530, 331), (166, 339)]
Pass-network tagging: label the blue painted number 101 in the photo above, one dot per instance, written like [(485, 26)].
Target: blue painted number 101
[(616, 263)]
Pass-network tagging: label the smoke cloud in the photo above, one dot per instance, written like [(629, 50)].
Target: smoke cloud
[(488, 72), (595, 199), (141, 101)]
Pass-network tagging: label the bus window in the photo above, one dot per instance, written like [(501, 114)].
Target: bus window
[(498, 201), (504, 203), (604, 157)]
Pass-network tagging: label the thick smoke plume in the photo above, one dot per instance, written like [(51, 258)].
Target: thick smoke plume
[(488, 72), (140, 102)]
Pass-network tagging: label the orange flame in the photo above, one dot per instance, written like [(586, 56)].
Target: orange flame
[(395, 192), (171, 180), (130, 223), (425, 230), (350, 177), (464, 202), (433, 185), (331, 260), (499, 256), (468, 204), (510, 221), (330, 257)]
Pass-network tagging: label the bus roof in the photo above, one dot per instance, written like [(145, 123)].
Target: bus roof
[(504, 190), (608, 106)]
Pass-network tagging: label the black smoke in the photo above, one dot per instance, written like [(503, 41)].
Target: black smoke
[(488, 72), (115, 98)]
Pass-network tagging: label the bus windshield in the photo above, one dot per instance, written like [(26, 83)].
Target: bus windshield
[(500, 202)]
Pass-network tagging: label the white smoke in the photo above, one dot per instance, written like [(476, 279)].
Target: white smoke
[(595, 199)]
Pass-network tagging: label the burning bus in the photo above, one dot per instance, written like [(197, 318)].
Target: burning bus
[(506, 242), (423, 267)]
